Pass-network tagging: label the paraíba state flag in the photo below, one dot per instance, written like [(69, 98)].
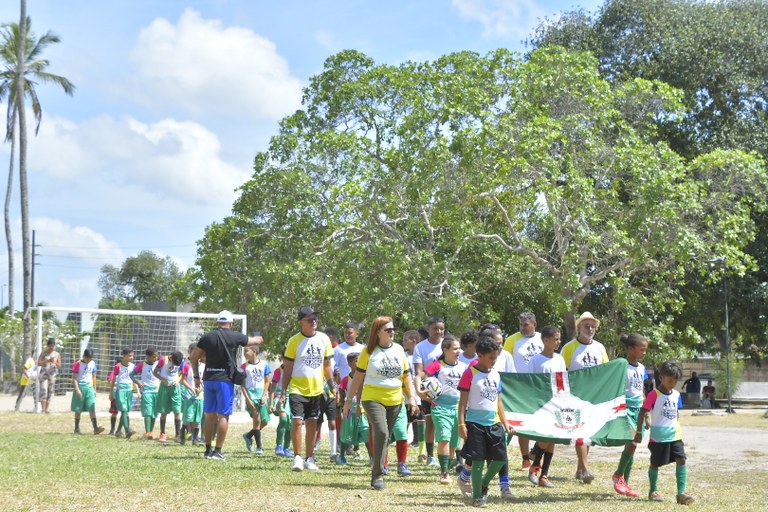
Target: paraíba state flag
[(586, 406)]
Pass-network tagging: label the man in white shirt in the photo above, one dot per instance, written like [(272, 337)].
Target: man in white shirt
[(424, 354)]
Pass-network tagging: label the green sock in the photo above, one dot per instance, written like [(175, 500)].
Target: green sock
[(628, 467), (422, 436), (477, 478), (681, 475), (147, 424), (625, 457), (280, 432), (653, 478), (124, 421), (494, 467), (445, 462)]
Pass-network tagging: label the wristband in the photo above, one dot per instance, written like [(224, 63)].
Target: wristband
[(462, 424)]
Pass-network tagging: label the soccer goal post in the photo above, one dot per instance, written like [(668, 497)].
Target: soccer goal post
[(108, 331)]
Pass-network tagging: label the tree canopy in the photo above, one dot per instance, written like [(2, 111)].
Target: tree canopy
[(473, 187), (145, 277)]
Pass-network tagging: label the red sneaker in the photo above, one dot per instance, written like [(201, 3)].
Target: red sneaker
[(620, 486)]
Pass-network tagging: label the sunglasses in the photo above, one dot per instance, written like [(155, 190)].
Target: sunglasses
[(389, 330)]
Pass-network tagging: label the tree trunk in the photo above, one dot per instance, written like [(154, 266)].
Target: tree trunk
[(8, 233), (24, 196)]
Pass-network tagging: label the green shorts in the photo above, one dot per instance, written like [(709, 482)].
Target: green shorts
[(400, 431), (632, 414), (446, 421), (257, 395), (192, 410), (123, 398), (169, 399), (286, 409), (354, 430), (87, 402), (149, 404)]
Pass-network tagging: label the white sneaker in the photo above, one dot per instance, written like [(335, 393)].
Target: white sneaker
[(298, 463), (310, 464)]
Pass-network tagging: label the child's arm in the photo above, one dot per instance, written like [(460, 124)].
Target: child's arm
[(503, 416), (642, 420), (463, 397)]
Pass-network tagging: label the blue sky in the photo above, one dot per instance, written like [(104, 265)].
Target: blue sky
[(175, 98)]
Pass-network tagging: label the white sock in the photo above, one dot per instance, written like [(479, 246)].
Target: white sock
[(332, 440)]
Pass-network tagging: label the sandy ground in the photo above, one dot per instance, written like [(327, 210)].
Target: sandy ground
[(704, 445)]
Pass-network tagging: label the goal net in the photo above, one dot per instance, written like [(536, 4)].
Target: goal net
[(108, 331)]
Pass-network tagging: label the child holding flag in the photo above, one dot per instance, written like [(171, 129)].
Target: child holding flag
[(636, 345), (486, 424), (666, 442), (547, 361)]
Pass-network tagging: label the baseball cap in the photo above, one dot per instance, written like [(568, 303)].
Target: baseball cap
[(305, 311), (225, 317)]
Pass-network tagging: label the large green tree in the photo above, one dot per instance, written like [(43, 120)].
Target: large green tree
[(23, 69), (145, 277), (716, 54), (449, 187)]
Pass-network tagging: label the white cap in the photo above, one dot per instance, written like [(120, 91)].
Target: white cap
[(225, 317)]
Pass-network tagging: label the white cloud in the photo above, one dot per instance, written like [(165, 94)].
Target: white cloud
[(211, 70), (167, 159), (502, 18), (78, 242)]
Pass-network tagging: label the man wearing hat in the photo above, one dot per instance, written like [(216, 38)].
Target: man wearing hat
[(219, 348), (583, 352), (306, 362)]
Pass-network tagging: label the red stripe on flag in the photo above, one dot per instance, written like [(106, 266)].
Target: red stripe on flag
[(620, 407), (559, 381), (515, 423)]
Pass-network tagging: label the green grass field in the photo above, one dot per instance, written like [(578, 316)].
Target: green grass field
[(44, 467)]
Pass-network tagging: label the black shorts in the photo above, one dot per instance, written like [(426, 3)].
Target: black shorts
[(425, 408), (304, 407), (666, 453), (485, 443), (327, 408)]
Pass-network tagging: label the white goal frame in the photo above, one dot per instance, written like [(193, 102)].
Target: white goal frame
[(180, 329)]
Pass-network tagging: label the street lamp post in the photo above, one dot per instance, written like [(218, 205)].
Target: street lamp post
[(721, 263)]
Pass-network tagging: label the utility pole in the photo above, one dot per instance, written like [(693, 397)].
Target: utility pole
[(32, 298)]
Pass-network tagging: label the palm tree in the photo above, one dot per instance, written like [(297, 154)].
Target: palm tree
[(23, 69)]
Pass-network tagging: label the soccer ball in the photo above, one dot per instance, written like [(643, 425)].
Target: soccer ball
[(431, 387)]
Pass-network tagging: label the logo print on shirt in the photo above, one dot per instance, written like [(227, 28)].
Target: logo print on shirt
[(588, 360), (530, 350), (452, 379), (636, 381), (390, 367), (489, 389), (669, 410), (313, 357)]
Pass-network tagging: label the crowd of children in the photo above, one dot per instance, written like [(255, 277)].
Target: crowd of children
[(467, 416)]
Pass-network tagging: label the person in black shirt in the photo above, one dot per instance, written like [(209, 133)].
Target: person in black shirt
[(220, 348)]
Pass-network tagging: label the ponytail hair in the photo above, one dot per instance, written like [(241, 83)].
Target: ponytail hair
[(632, 340)]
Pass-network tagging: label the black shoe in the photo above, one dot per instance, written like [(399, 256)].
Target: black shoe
[(217, 455), (207, 454), (129, 434)]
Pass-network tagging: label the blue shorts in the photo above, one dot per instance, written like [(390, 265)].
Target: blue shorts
[(219, 397)]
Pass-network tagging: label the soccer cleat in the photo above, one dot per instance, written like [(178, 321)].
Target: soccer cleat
[(526, 465), (298, 463), (129, 434), (615, 478), (655, 496), (579, 476), (506, 494), (631, 492), (279, 450), (587, 477), (117, 434), (258, 451), (111, 433), (334, 459), (402, 469), (287, 453), (685, 499), (149, 436), (310, 464), (342, 460), (207, 454), (98, 430), (431, 461), (544, 482), (480, 502), (217, 455), (77, 432), (444, 479), (248, 442), (378, 484), (163, 437), (619, 485), (533, 474)]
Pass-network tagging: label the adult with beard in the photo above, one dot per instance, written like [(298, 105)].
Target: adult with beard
[(384, 376), (306, 361), (584, 352), (219, 348)]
